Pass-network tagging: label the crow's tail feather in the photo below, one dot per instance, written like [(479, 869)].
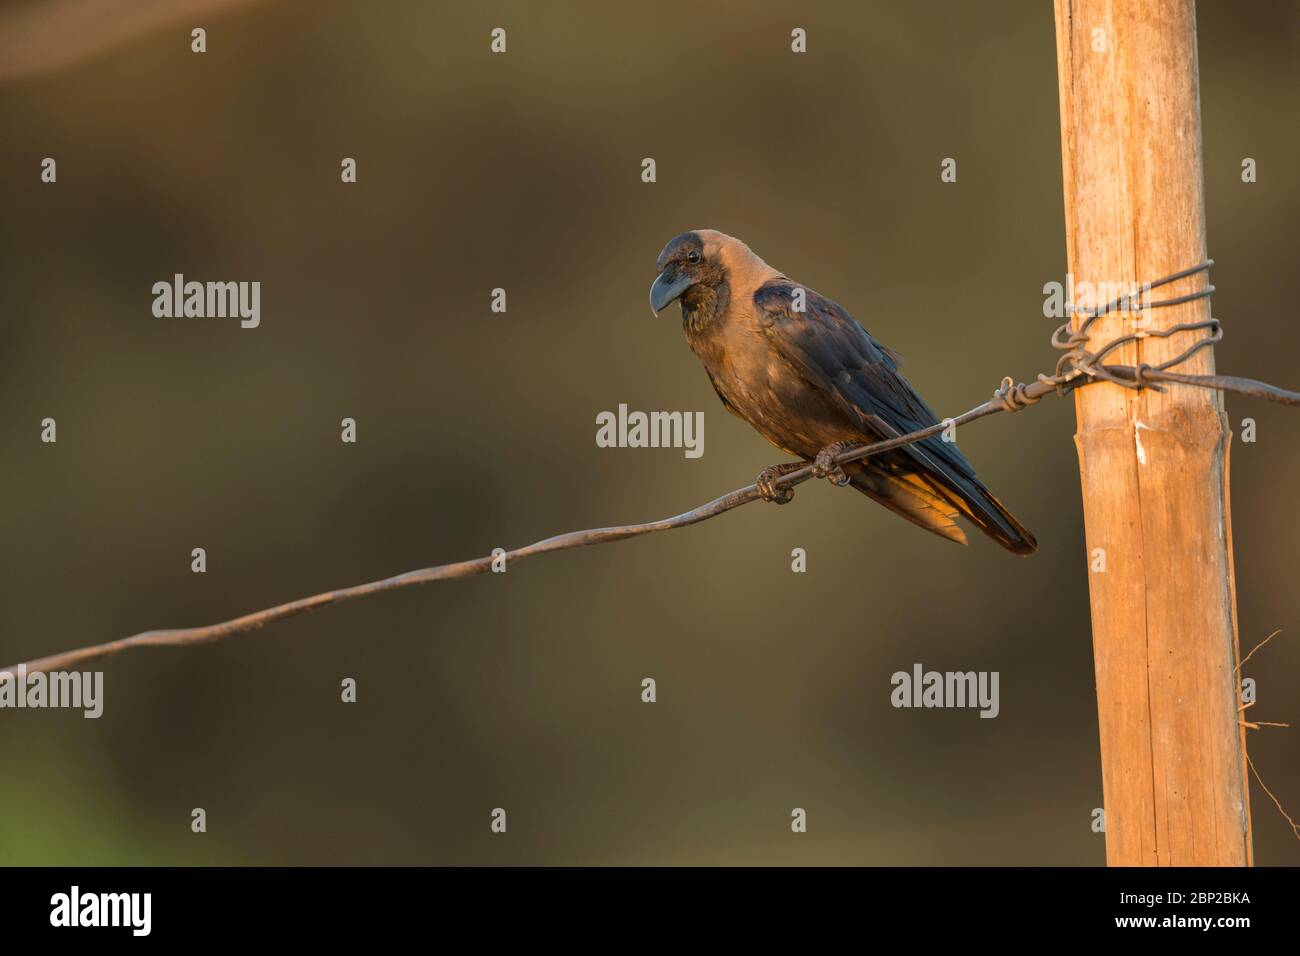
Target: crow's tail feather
[(933, 499)]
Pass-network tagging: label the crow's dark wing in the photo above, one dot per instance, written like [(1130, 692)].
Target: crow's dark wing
[(837, 355)]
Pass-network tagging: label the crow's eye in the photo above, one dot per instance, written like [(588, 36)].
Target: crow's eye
[(692, 257)]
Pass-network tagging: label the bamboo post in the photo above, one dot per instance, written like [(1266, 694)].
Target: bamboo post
[(1153, 464)]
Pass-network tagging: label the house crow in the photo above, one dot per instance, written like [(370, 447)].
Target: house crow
[(814, 383)]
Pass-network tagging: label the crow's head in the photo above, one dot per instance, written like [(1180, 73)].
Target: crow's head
[(692, 268)]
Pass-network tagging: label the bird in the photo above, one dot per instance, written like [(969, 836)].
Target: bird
[(813, 382)]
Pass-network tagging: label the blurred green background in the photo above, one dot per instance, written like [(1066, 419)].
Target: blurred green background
[(476, 430)]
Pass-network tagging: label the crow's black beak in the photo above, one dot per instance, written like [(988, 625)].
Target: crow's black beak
[(668, 287)]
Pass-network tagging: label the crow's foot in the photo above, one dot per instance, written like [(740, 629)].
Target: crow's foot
[(769, 490), (824, 464)]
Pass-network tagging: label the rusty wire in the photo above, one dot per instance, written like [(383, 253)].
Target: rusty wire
[(1077, 367)]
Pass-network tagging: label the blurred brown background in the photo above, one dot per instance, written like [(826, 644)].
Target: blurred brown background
[(477, 430)]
